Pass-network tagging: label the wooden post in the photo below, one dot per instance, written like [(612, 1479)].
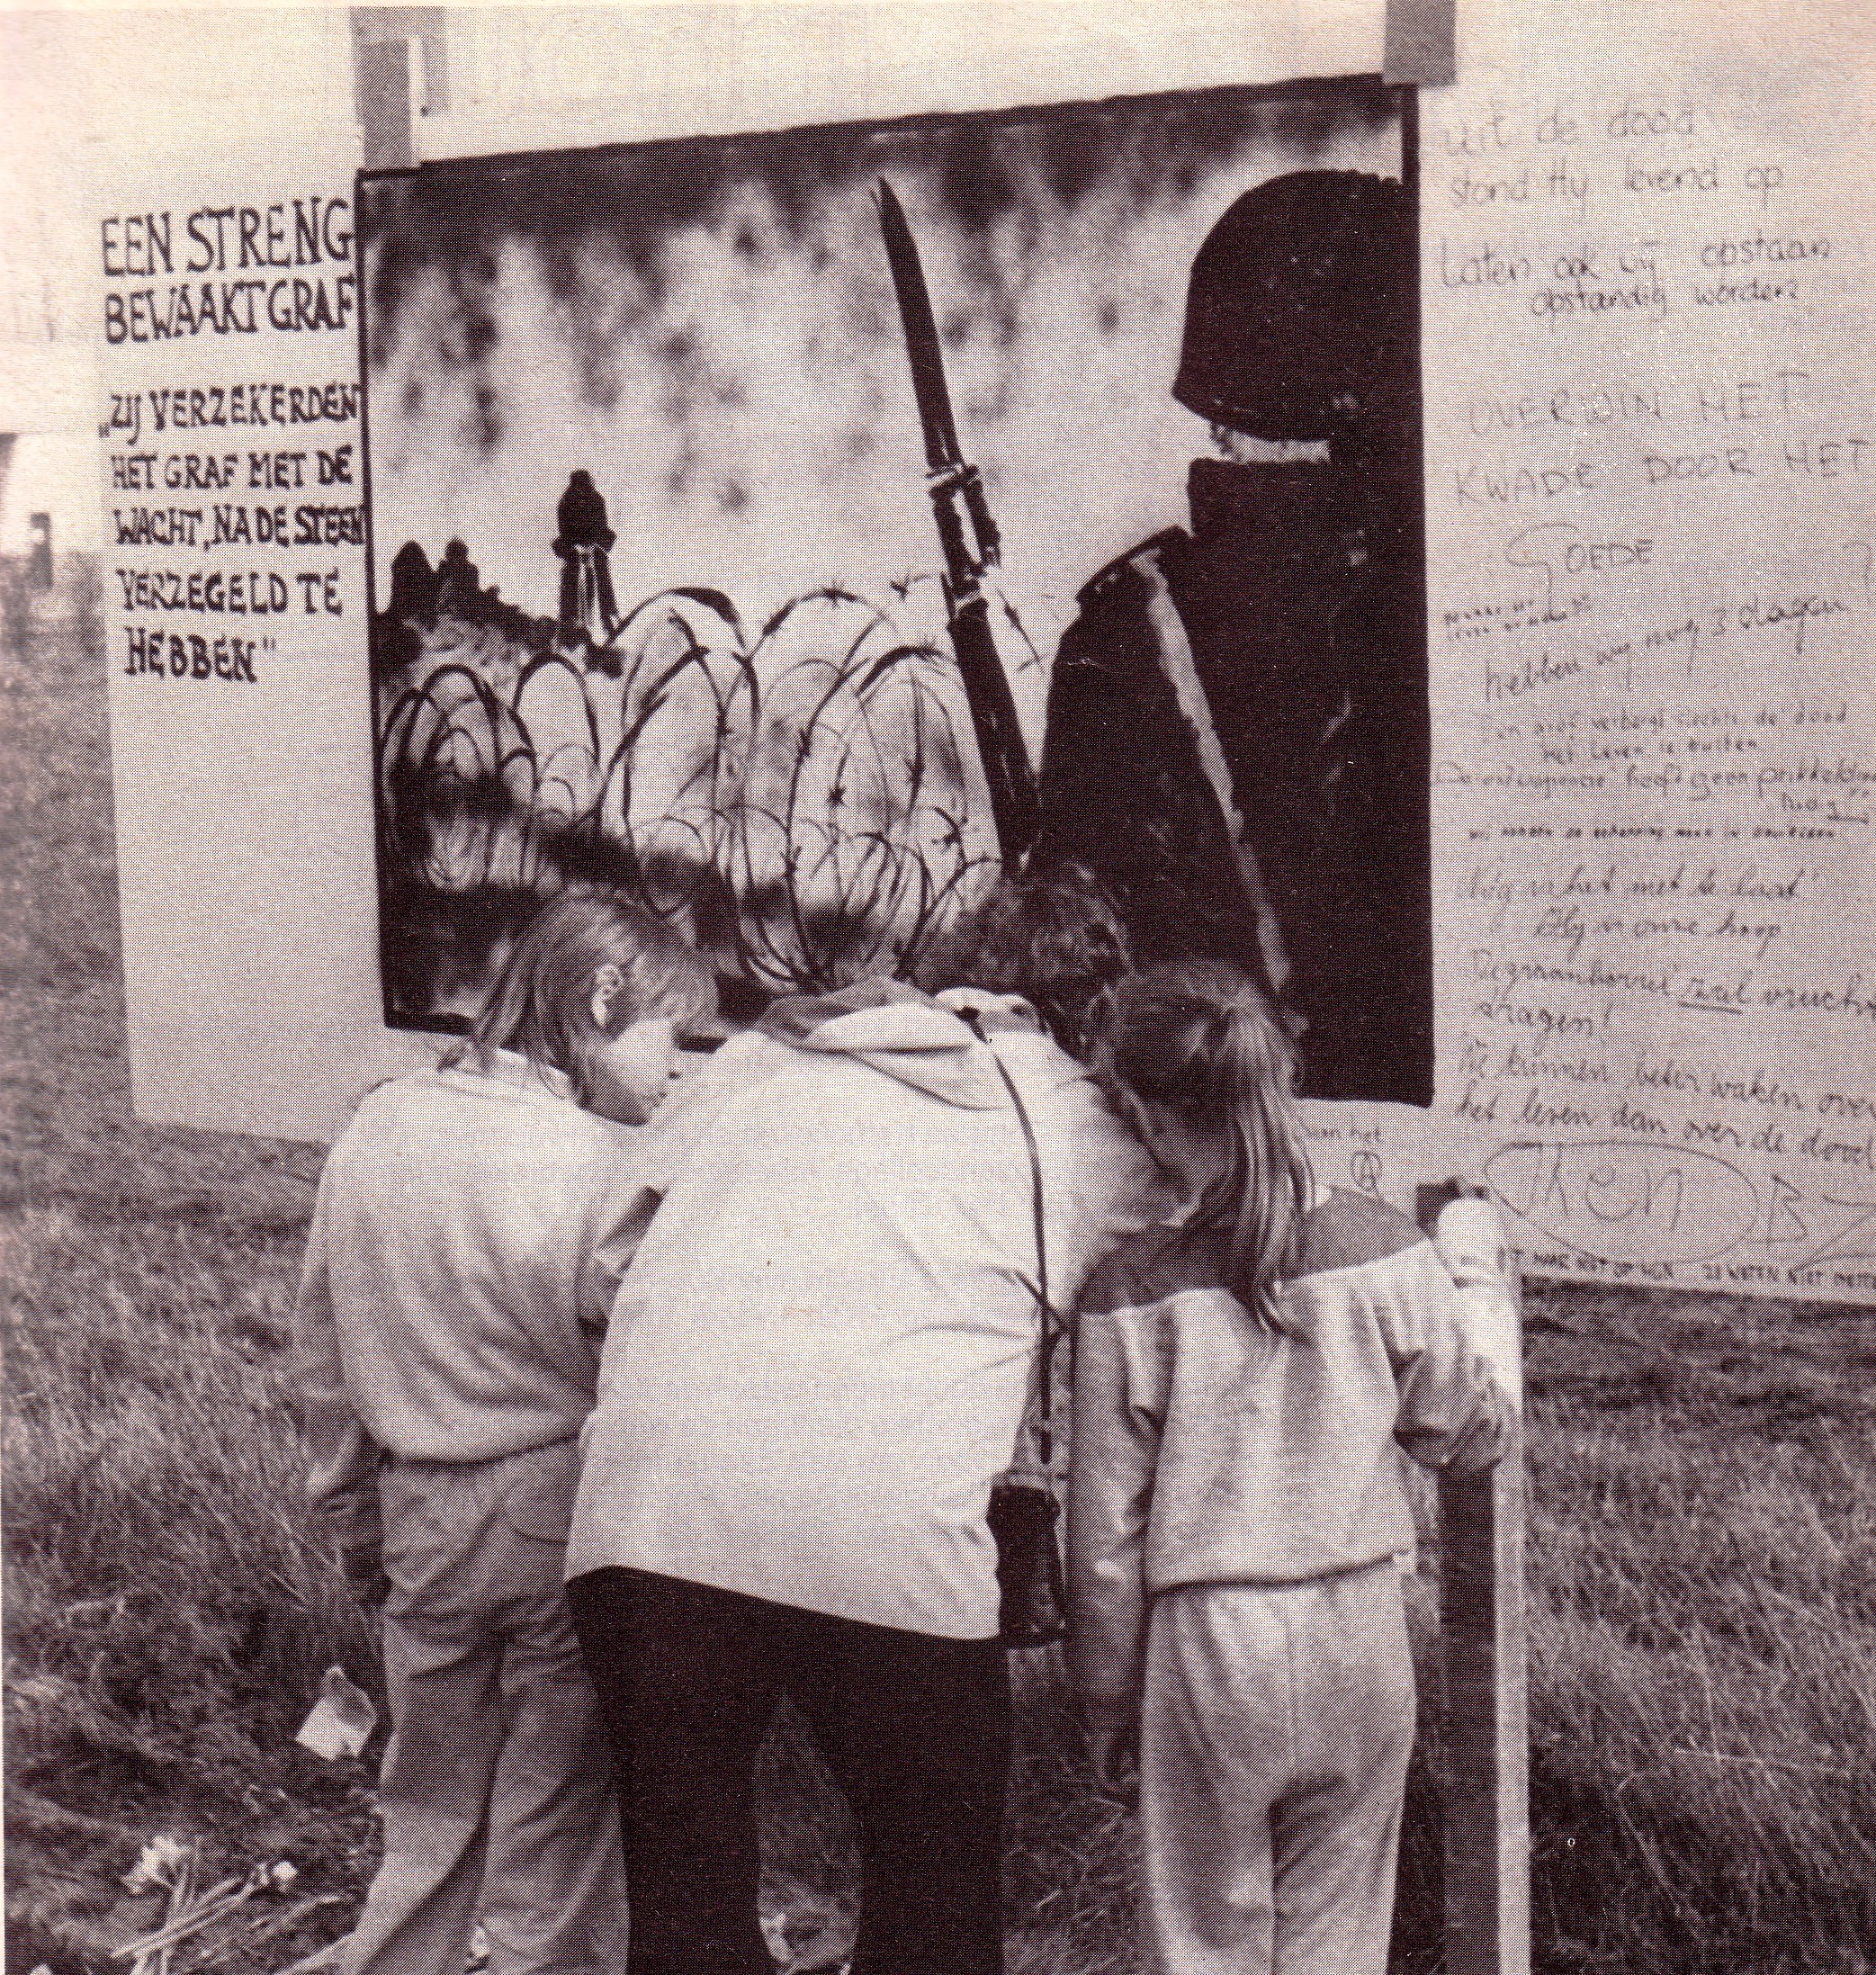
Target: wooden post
[(1486, 1783), (382, 70), (1487, 1866), (384, 79)]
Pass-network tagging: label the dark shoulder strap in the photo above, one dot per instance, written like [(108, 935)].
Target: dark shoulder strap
[(1043, 1309)]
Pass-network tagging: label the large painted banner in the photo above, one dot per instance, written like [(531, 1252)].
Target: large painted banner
[(661, 600), (794, 490)]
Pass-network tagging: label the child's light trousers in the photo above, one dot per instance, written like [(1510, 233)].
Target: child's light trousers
[(497, 1788), (1276, 1726)]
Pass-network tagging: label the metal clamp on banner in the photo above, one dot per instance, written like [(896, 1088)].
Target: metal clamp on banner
[(381, 79), (1420, 42)]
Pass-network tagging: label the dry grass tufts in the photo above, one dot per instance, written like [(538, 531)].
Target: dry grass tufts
[(152, 1493), (1703, 1682)]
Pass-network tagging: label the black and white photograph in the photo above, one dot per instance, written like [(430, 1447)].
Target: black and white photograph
[(936, 978)]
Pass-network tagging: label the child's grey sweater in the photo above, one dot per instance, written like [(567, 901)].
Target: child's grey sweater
[(1209, 1448)]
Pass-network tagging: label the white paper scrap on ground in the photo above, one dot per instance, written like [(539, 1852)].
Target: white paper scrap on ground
[(342, 1719)]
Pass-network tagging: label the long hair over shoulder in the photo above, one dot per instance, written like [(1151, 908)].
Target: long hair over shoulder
[(540, 1003), (1200, 1038)]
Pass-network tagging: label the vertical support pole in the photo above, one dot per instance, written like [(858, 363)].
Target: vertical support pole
[(1486, 1783), (386, 76), (383, 74), (1487, 1730), (1417, 42)]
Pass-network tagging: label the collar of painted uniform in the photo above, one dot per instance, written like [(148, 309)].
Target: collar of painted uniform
[(1308, 516)]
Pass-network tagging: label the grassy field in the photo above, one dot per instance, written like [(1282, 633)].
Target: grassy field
[(1702, 1542)]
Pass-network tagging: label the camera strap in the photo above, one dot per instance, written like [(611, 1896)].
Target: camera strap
[(1045, 1310)]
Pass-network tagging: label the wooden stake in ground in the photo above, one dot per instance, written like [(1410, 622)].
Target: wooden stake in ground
[(1487, 1786), (1486, 1783)]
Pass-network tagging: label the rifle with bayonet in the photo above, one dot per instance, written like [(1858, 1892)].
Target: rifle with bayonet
[(971, 543)]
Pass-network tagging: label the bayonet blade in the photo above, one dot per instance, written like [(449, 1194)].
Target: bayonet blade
[(922, 337)]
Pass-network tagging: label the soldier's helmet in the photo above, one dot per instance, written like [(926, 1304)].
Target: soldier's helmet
[(1298, 316)]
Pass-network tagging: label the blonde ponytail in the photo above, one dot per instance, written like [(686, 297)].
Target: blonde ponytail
[(1197, 1036)]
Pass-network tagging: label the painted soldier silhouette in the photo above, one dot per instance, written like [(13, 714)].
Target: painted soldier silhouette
[(1237, 737), (585, 575)]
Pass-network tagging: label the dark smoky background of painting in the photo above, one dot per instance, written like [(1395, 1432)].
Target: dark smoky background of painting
[(709, 328), (768, 740)]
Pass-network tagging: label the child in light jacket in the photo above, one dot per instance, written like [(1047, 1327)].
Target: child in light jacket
[(472, 1226), (1243, 1382)]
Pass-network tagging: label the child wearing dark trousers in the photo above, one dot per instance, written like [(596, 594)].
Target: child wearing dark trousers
[(817, 1369)]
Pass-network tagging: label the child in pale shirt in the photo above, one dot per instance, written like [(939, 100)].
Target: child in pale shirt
[(472, 1226), (1243, 1381)]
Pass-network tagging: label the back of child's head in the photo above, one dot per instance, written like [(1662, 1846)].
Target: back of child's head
[(1198, 1037), (1054, 937), (540, 1003)]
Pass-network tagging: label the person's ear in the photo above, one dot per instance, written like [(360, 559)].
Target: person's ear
[(608, 980)]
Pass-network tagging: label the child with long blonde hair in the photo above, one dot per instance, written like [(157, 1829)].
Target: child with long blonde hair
[(471, 1226), (1243, 1381)]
